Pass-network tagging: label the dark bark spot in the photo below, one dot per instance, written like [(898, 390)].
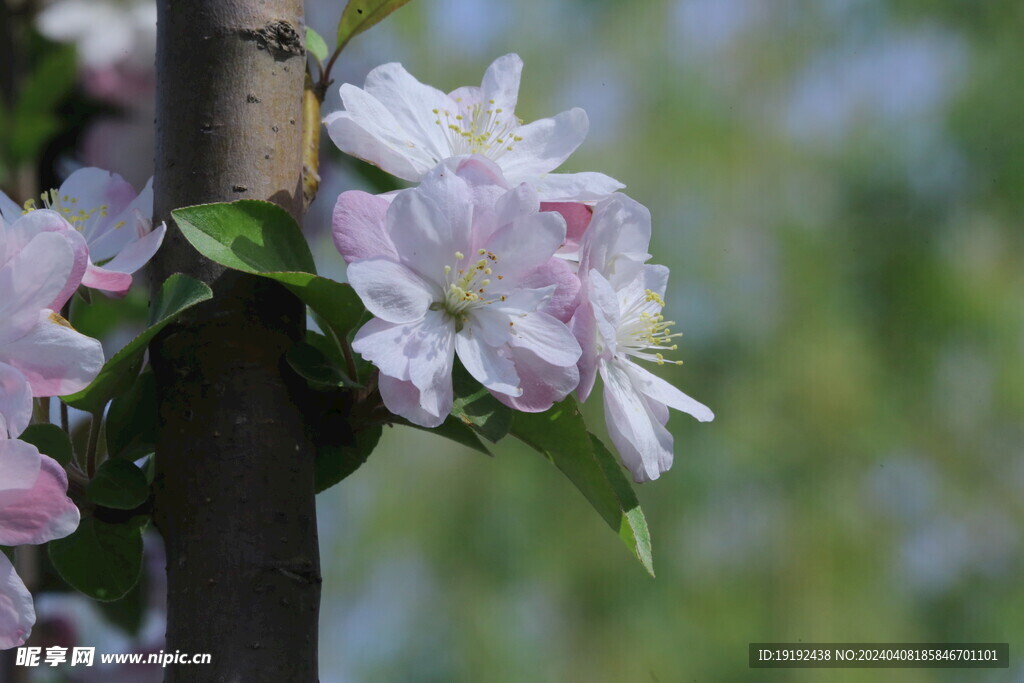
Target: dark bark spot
[(239, 188), (279, 37), (252, 99)]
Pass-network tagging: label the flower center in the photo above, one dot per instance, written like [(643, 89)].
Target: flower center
[(479, 129), (466, 287), (643, 328), (67, 207)]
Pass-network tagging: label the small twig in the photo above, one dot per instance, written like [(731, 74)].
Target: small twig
[(65, 422)]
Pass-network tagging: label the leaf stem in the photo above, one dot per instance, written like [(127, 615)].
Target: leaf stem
[(93, 445)]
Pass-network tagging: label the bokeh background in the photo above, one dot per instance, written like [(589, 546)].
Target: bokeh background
[(837, 187)]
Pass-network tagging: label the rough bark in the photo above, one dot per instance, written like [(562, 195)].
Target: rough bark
[(234, 487)]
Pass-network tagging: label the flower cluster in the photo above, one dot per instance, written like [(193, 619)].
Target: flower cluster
[(537, 281), (94, 231)]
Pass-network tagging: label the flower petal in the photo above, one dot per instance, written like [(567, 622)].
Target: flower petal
[(390, 291), (55, 359), (545, 336), (522, 247), (659, 390), (358, 222), (46, 221), (45, 512), (423, 235), (31, 280), (500, 87), (577, 217), (566, 296), (413, 105), (15, 403), (616, 242), (543, 383), (365, 138), (545, 144), (584, 328), (644, 445), (138, 252), (20, 464), (576, 187), (487, 364), (17, 616), (403, 398)]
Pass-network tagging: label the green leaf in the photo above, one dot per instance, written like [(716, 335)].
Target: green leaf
[(263, 239), (477, 407), (51, 440), (250, 235), (132, 422), (101, 560), (457, 431), (129, 612), (177, 294), (336, 461), (317, 368), (561, 435), (360, 15), (315, 45), (118, 484)]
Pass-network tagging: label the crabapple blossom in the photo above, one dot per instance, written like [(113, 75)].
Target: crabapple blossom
[(407, 128), (619, 320), (461, 266), (113, 219), (34, 509), (40, 354)]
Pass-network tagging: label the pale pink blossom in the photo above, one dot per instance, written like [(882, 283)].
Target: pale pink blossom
[(407, 128), (620, 320), (34, 509), (40, 354), (114, 220), (461, 266)]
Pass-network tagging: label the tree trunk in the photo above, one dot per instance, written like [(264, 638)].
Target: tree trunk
[(234, 487)]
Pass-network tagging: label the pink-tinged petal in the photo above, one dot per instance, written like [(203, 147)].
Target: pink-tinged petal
[(111, 234), (138, 252), (94, 187), (543, 384), (389, 290), (577, 217), (522, 247), (421, 351), (576, 187), (20, 464), (46, 221), (54, 358), (452, 196), (370, 141), (500, 87), (584, 328), (545, 336), (643, 444), (413, 106), (424, 237), (359, 227), (659, 390), (566, 296), (115, 284), (403, 398), (44, 513), (17, 616), (15, 403), (545, 144), (486, 364), (31, 280), (616, 242), (605, 306)]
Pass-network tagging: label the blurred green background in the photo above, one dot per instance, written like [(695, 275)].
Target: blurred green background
[(837, 189)]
